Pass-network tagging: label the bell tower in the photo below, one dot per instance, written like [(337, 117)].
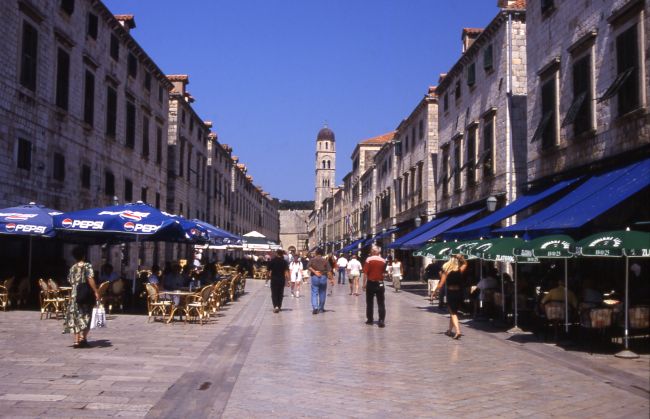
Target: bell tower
[(325, 165)]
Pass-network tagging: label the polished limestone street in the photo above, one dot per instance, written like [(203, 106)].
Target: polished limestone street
[(250, 362)]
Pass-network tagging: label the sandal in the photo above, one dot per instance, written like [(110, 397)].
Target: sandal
[(448, 333), (457, 336)]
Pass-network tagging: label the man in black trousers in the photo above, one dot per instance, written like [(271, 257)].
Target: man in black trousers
[(279, 279)]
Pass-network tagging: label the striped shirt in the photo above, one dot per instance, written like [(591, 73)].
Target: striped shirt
[(374, 268)]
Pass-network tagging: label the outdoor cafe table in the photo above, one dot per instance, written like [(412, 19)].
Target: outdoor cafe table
[(182, 301)]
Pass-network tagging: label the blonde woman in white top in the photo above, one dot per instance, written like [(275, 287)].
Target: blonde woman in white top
[(354, 269), (295, 270), (396, 272)]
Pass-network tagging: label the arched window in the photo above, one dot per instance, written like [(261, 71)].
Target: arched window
[(328, 164), (327, 145), (324, 164)]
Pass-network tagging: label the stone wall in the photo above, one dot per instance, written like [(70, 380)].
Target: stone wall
[(568, 32), (485, 101)]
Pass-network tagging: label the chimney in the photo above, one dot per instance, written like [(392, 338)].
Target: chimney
[(468, 37), (507, 4), (127, 21), (179, 81)]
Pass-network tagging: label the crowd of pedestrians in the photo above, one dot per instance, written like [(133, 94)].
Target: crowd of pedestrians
[(290, 269)]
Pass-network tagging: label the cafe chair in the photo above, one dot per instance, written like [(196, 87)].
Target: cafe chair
[(102, 290), (155, 306), (639, 317), (234, 284), (115, 295), (554, 311), (5, 293), (198, 305), (51, 303)]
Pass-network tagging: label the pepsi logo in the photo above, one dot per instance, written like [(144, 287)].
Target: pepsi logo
[(132, 216), (10, 227), (129, 226), (67, 223), (19, 217)]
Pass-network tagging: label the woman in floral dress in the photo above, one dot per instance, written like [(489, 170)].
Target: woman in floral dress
[(77, 316)]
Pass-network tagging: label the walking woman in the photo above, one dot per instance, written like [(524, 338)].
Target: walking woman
[(295, 269), (396, 273), (77, 314), (452, 275)]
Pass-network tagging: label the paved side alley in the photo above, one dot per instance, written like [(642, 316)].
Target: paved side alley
[(250, 362)]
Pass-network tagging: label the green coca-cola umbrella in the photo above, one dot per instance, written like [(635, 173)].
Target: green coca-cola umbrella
[(556, 246), (436, 251), (619, 243), (502, 249)]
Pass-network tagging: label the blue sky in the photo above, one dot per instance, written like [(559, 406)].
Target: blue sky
[(269, 73)]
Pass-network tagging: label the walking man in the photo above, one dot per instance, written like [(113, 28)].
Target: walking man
[(279, 279), (320, 269), (373, 285), (342, 264)]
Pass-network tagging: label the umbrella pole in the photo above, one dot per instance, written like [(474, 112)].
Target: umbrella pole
[(503, 293), (480, 278), (566, 296), (137, 256), (626, 353), (516, 328), (29, 261)]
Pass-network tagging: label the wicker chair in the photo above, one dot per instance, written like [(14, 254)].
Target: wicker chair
[(5, 293), (554, 311), (102, 291), (155, 305), (198, 305), (51, 302), (115, 295)]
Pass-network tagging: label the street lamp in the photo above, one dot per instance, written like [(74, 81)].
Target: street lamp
[(491, 203)]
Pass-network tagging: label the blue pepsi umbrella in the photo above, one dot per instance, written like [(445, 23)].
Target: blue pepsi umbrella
[(28, 220), (217, 235), (126, 223)]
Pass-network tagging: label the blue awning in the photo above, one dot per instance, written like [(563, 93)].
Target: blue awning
[(481, 228), (416, 232), (597, 195), (351, 246), (451, 222), (380, 236)]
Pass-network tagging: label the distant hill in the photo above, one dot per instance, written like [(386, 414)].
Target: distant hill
[(296, 205)]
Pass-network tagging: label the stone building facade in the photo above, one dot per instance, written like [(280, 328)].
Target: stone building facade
[(83, 111), (294, 229), (415, 162), (482, 114), (87, 120), (588, 85)]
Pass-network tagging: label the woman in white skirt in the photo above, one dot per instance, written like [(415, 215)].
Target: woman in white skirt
[(396, 274), (295, 270)]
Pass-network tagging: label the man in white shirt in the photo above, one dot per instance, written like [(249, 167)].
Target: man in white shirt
[(354, 271), (342, 263)]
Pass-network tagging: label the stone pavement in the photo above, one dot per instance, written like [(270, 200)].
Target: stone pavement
[(249, 362)]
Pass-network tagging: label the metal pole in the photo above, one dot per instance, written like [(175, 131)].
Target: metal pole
[(627, 300), (503, 293), (515, 297), (566, 295), (29, 263), (137, 256), (626, 353)]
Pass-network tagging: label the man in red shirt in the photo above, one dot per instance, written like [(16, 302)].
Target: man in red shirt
[(373, 285)]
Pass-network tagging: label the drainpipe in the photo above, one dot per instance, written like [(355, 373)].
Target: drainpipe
[(509, 144)]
